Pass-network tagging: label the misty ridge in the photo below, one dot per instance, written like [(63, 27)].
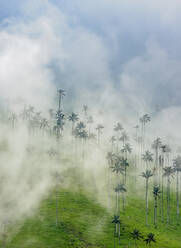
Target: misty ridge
[(90, 104)]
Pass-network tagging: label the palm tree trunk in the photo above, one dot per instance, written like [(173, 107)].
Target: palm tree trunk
[(123, 200), (155, 212), (56, 206), (168, 200), (119, 234), (146, 201), (115, 230), (177, 197), (162, 203)]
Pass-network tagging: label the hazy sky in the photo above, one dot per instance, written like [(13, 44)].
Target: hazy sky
[(125, 50)]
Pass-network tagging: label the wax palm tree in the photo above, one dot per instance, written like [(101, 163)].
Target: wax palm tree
[(112, 140), (83, 135), (111, 158), (147, 175), (90, 121), (120, 189), (116, 222), (144, 119), (136, 235), (99, 129), (13, 118), (44, 124), (117, 167), (147, 157), (168, 172), (150, 239), (177, 169), (162, 159), (156, 195), (124, 164), (156, 146), (126, 149), (61, 94), (117, 128), (124, 137), (85, 110), (60, 118), (57, 179), (73, 118)]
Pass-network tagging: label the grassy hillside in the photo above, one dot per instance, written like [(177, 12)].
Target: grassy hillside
[(84, 223)]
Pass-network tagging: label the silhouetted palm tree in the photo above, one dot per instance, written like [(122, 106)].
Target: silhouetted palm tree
[(150, 239), (126, 149), (147, 157), (73, 118), (156, 146), (99, 131), (177, 169), (136, 235), (147, 176), (60, 118), (112, 140), (116, 222), (144, 119), (90, 121), (124, 137), (168, 172), (156, 194), (117, 128), (85, 109), (61, 94), (124, 165)]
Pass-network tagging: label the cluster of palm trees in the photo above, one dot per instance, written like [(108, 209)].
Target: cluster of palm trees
[(136, 235), (124, 159)]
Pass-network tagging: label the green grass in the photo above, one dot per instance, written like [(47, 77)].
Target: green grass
[(85, 223)]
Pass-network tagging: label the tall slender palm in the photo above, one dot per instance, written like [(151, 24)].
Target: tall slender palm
[(163, 149), (168, 172), (110, 158), (99, 129), (150, 239), (112, 140), (60, 118), (117, 167), (120, 189), (137, 150), (13, 118), (85, 109), (124, 137), (177, 169), (44, 124), (136, 235), (57, 178), (126, 149), (61, 94), (124, 164), (156, 194), (148, 158), (144, 119), (90, 121), (147, 174), (73, 118), (156, 146), (116, 222), (117, 128)]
